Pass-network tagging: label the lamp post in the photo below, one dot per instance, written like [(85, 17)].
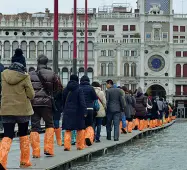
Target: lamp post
[(75, 38), (55, 41), (86, 39)]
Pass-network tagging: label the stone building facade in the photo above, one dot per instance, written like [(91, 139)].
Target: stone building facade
[(145, 47)]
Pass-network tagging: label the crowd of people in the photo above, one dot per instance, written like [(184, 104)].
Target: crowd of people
[(83, 107)]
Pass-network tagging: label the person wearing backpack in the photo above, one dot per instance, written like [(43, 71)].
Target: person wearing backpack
[(100, 114)]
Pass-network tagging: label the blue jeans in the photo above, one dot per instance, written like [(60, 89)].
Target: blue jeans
[(115, 118), (123, 118), (97, 127), (56, 123)]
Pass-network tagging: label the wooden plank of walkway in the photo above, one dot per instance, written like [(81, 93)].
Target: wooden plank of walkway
[(62, 158)]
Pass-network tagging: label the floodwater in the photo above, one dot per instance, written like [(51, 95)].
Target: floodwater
[(165, 150)]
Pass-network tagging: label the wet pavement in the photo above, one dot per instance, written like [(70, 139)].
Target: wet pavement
[(166, 150)]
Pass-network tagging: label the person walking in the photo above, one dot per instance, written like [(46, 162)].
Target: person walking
[(45, 83), (101, 113), (115, 105), (90, 96), (128, 110), (140, 107), (74, 112), (17, 91)]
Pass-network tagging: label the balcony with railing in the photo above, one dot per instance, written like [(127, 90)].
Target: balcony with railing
[(119, 40), (182, 16), (179, 41), (117, 15)]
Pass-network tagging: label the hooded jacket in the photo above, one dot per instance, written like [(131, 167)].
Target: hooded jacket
[(17, 91), (74, 107), (141, 103), (89, 92)]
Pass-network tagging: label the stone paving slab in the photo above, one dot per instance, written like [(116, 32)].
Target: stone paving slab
[(61, 157)]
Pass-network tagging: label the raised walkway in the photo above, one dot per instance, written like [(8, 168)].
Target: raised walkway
[(65, 160)]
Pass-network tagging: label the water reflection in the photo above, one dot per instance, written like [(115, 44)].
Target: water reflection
[(166, 150)]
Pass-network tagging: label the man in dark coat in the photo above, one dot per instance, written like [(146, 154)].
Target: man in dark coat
[(45, 83), (115, 105), (90, 96), (74, 112)]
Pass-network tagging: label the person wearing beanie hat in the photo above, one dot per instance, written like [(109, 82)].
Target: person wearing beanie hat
[(46, 85), (18, 57), (17, 91), (75, 110), (90, 97), (74, 78)]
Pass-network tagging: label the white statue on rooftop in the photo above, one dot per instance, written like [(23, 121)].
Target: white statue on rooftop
[(155, 9)]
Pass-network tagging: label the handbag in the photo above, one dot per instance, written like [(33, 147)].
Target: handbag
[(96, 106), (46, 90)]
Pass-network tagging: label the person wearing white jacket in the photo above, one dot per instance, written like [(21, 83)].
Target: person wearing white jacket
[(99, 115)]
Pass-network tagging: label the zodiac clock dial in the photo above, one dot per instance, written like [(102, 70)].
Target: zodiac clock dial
[(156, 63)]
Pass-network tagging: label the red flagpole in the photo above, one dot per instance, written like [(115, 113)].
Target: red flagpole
[(75, 38), (55, 41), (86, 39)]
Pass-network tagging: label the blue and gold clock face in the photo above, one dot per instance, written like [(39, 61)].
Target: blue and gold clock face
[(156, 63)]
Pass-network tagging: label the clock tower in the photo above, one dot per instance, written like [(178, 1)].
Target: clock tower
[(156, 23)]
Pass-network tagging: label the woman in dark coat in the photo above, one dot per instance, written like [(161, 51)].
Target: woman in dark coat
[(140, 107), (154, 113), (75, 110)]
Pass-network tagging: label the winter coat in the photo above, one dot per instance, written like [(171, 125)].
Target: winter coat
[(128, 110), (89, 93), (133, 105), (141, 104), (102, 103), (154, 110), (74, 107), (43, 98), (17, 91), (115, 100)]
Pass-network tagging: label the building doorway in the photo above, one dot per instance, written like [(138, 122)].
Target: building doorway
[(156, 90)]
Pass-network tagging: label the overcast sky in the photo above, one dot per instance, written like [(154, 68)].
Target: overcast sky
[(30, 6)]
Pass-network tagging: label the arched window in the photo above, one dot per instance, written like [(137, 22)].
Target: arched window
[(24, 48), (7, 49), (90, 49), (110, 69), (81, 72), (81, 50), (0, 50), (178, 70), (185, 70), (90, 74), (59, 50), (65, 50), (71, 47), (32, 49), (65, 76), (133, 69), (49, 49), (40, 48), (15, 45), (126, 69), (103, 69)]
